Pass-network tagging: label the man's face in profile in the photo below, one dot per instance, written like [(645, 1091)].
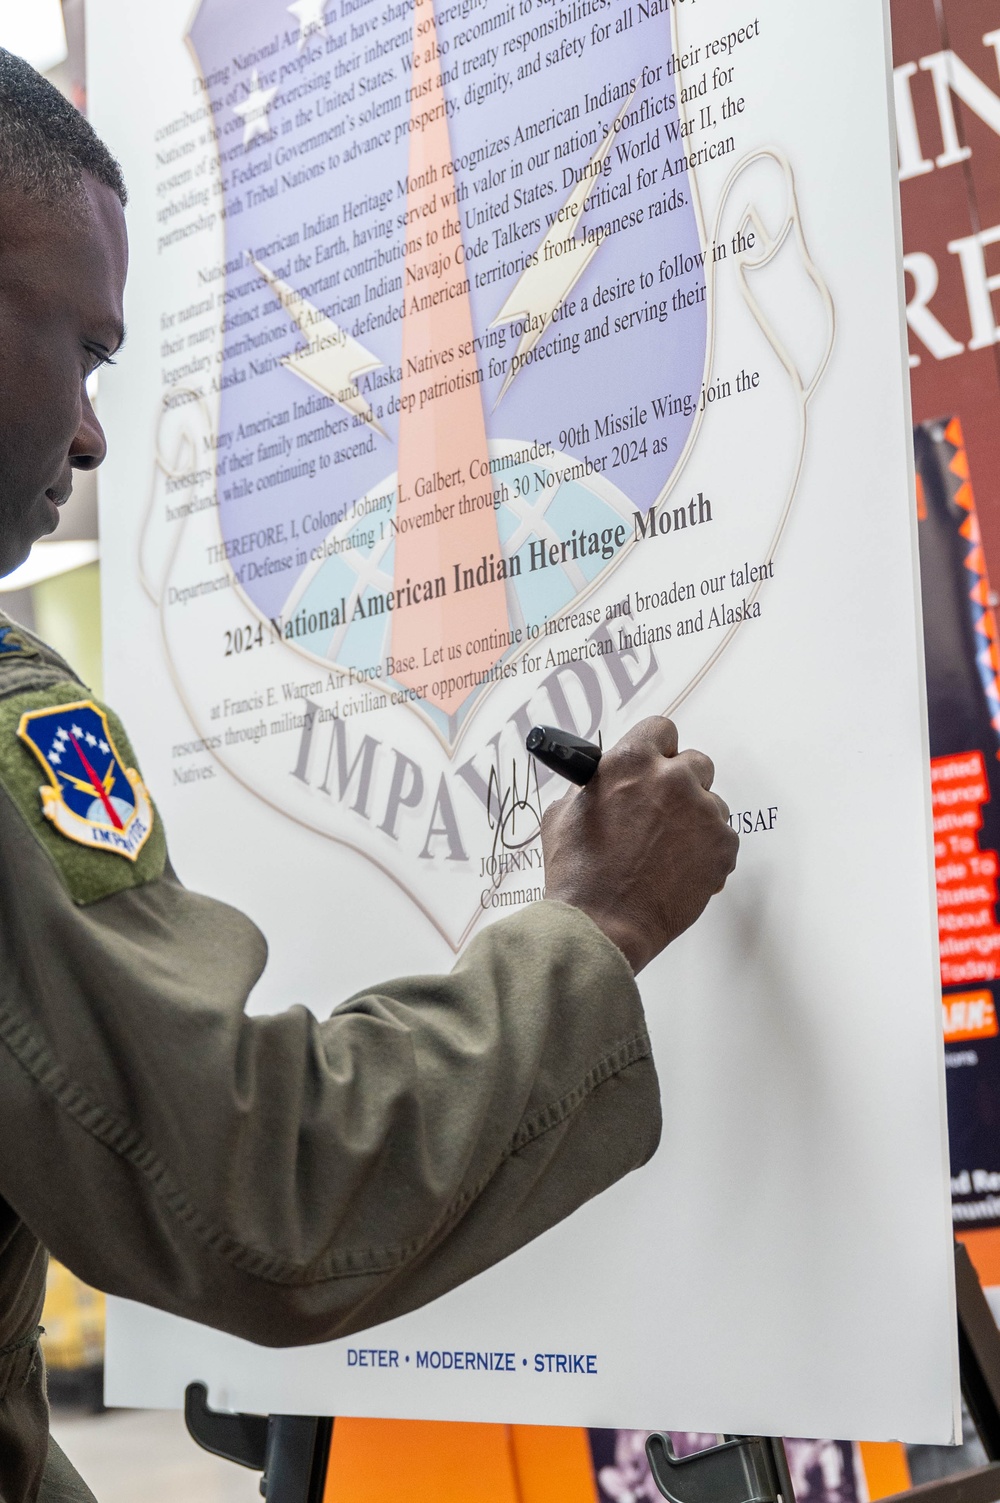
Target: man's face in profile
[(62, 275)]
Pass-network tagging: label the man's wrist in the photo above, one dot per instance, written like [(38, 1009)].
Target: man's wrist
[(622, 933)]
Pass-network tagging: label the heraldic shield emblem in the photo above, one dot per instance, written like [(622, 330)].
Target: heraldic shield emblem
[(91, 796), (483, 297), (430, 284)]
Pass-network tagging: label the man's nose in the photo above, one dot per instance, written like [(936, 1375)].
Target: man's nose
[(89, 445)]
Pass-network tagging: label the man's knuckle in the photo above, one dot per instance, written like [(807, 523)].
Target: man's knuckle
[(683, 775), (703, 763), (629, 760)]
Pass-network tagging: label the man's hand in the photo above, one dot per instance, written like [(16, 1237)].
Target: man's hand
[(644, 845)]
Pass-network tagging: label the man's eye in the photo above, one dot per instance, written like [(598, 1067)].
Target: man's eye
[(98, 357)]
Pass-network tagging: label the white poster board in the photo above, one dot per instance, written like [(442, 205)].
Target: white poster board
[(547, 365)]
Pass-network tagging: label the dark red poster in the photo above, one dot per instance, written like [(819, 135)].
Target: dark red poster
[(946, 57)]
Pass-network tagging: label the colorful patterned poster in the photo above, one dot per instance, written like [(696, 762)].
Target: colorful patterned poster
[(964, 705), (491, 364)]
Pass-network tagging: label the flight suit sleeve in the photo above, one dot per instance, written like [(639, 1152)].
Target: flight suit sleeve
[(286, 1179)]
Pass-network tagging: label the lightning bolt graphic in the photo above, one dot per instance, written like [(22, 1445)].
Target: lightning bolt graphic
[(332, 359), (96, 785), (560, 261), (84, 787)]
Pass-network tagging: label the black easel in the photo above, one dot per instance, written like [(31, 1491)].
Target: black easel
[(292, 1451)]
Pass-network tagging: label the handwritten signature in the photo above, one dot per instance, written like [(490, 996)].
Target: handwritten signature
[(514, 812)]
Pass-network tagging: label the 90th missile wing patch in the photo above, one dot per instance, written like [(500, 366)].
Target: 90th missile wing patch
[(91, 796), (92, 815)]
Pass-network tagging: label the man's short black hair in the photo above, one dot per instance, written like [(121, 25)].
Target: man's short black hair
[(46, 145)]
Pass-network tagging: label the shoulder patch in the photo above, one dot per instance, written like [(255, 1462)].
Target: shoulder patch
[(92, 814), (13, 644), (91, 796)]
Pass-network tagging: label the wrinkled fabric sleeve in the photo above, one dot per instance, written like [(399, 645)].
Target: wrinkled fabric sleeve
[(61, 1482), (286, 1179)]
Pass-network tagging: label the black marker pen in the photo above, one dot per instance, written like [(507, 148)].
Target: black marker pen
[(568, 755)]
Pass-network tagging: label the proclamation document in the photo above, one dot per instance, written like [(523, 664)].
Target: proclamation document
[(503, 362)]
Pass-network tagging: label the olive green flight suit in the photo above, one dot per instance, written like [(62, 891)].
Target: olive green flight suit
[(284, 1179)]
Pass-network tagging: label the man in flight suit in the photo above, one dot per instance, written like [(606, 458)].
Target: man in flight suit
[(280, 1178)]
